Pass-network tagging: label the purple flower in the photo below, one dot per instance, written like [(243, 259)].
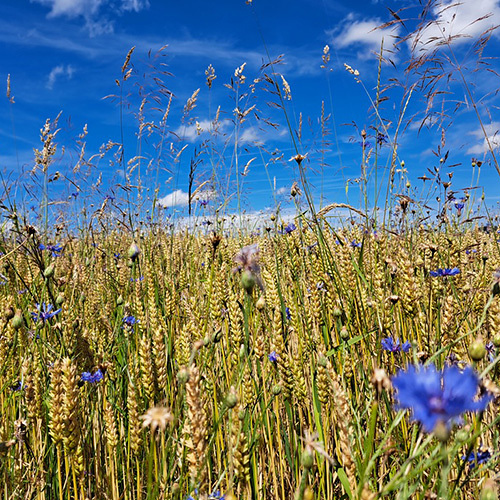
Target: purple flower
[(480, 457), (92, 378), (438, 396), (203, 203), (289, 228), (355, 244), (445, 272), (55, 249), (130, 320), (44, 312), (490, 349), (273, 357), (381, 139), (390, 345)]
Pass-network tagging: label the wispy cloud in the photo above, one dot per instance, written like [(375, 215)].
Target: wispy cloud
[(97, 14), (481, 146), (58, 72), (456, 22), (362, 33)]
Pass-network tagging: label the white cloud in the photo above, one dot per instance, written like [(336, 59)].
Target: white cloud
[(251, 135), (72, 8), (179, 198), (481, 147), (282, 190), (363, 32), (192, 132), (176, 199), (135, 5), (60, 71), (462, 19), (96, 21)]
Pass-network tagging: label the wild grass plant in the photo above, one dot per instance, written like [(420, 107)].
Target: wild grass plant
[(146, 358)]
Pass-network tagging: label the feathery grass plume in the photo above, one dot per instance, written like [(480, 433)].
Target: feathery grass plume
[(45, 157)]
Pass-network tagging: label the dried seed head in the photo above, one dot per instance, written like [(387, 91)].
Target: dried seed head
[(157, 417), (380, 380)]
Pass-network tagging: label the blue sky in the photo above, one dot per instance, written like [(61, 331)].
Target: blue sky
[(65, 55)]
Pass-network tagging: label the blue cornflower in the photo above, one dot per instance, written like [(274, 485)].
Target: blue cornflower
[(289, 228), (216, 495), (273, 357), (203, 203), (381, 139), (390, 345), (140, 278), (92, 378), (130, 320), (288, 313), (17, 386), (55, 249), (445, 272), (490, 349), (44, 312), (355, 244), (459, 206), (480, 457), (435, 396)]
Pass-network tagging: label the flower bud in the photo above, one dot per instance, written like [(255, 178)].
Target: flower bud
[(344, 334), (441, 432), (489, 491), (9, 313), (307, 459), (133, 251), (276, 389), (248, 280), (49, 271), (496, 340), (17, 320), (477, 350), (60, 299), (231, 398), (183, 375), (261, 303), (119, 301)]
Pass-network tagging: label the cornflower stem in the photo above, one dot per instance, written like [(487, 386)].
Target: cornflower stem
[(445, 471), (302, 486), (368, 445)]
